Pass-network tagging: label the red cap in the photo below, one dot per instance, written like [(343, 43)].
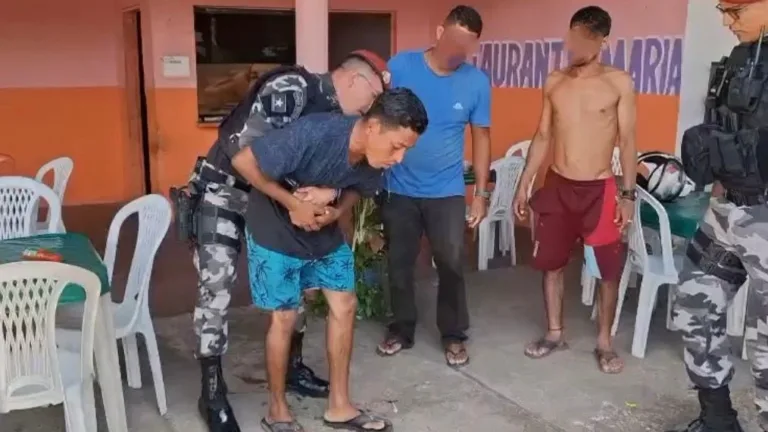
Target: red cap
[(378, 64)]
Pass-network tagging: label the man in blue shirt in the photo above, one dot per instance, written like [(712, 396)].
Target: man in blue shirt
[(295, 245), (425, 193)]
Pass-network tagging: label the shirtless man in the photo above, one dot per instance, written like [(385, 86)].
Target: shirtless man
[(588, 109)]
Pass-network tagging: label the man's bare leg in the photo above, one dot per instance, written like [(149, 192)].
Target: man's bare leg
[(608, 360), (553, 287), (342, 307), (278, 348)]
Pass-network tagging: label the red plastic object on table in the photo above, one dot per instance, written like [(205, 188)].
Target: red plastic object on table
[(41, 255)]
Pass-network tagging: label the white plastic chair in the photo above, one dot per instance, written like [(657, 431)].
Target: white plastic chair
[(19, 198), (132, 315), (656, 269), (520, 149), (62, 170), (33, 371), (508, 172)]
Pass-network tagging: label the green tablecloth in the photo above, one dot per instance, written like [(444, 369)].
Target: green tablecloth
[(469, 177), (684, 214), (75, 249)]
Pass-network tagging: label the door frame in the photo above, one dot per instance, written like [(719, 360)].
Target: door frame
[(134, 166)]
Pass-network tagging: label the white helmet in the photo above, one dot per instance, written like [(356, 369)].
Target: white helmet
[(662, 175)]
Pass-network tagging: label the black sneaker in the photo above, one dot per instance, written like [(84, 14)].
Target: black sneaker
[(717, 413), (301, 380)]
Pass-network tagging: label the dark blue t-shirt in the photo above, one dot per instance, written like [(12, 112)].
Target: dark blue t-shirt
[(312, 151)]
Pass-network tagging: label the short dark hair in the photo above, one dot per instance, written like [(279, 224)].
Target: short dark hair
[(467, 17), (594, 18), (399, 107)]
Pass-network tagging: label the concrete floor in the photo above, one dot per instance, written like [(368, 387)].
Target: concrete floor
[(500, 391)]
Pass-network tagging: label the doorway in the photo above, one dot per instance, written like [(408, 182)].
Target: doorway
[(137, 164)]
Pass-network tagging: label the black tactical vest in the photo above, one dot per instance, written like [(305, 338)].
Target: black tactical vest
[(737, 104), (226, 145)]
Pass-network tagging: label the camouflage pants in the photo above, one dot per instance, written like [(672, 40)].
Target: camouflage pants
[(216, 266), (702, 299)]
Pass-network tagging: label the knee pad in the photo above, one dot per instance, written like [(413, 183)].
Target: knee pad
[(715, 260)]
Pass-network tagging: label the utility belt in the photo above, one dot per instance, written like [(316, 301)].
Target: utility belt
[(746, 199), (715, 260), (208, 173), (197, 220)]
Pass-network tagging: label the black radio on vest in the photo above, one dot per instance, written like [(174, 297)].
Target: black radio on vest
[(728, 145)]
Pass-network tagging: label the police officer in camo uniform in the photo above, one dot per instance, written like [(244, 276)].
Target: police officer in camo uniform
[(731, 245), (221, 196)]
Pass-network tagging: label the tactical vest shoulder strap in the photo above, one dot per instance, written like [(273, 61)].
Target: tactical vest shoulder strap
[(253, 91)]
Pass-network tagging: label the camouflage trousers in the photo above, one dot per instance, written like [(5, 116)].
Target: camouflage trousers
[(216, 265), (738, 252)]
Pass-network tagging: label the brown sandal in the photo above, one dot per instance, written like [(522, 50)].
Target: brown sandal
[(543, 347), (392, 345), (452, 355), (608, 361)]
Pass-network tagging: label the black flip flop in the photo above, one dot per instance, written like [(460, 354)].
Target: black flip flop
[(291, 426), (357, 424)]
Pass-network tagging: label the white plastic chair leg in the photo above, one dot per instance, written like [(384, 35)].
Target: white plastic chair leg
[(509, 226), (737, 312), (132, 365), (623, 285), (89, 405), (645, 305), (75, 400), (153, 353), (485, 239), (749, 334), (504, 243), (587, 287), (670, 305)]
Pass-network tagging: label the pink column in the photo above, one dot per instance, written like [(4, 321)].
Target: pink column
[(312, 34)]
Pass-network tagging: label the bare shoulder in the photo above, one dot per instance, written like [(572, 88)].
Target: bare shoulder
[(553, 79), (619, 78)]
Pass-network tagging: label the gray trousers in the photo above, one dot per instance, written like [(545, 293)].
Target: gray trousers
[(702, 298), (216, 266)]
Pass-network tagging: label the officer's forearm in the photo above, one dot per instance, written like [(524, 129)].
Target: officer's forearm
[(246, 164)]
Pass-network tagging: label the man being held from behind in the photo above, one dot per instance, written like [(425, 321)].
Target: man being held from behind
[(294, 245), (588, 108), (426, 192), (273, 101)]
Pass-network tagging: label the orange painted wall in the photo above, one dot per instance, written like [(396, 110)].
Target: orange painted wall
[(62, 81), (60, 92), (62, 87), (177, 139)]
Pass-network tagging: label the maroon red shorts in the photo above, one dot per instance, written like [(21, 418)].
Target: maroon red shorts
[(568, 210)]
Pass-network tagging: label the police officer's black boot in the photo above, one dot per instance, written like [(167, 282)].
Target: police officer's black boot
[(300, 379), (717, 413), (213, 404)]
